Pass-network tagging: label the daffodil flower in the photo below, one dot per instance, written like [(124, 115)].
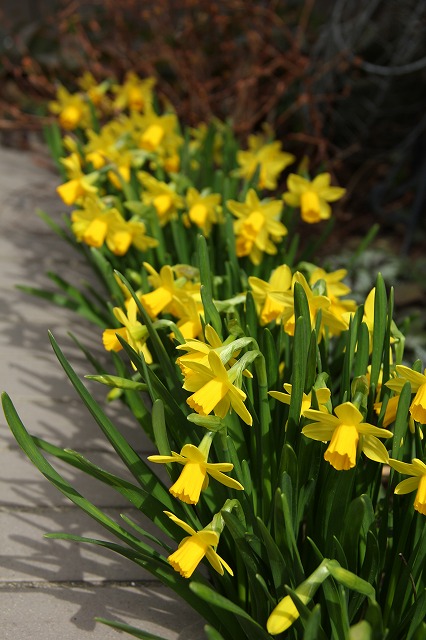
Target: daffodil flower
[(203, 209), (133, 332), (316, 303), (71, 109), (161, 196), (266, 295), (416, 469), (190, 312), (335, 290), (269, 157), (134, 93), (322, 395), (258, 226), (194, 548), (198, 351), (214, 389), (157, 132), (346, 433), (196, 470), (312, 196), (94, 225), (166, 289), (418, 386), (79, 185)]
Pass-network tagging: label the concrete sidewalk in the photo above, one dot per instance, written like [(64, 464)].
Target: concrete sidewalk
[(52, 589)]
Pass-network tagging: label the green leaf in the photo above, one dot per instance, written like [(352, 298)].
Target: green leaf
[(400, 428), (212, 315), (160, 430), (274, 556), (137, 467), (313, 630), (253, 631), (28, 445), (140, 497), (269, 350), (118, 382), (350, 580), (379, 330), (361, 631), (212, 634), (351, 531), (132, 631)]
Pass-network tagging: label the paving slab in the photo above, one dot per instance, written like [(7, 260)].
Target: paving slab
[(52, 589), (67, 612), (28, 556)]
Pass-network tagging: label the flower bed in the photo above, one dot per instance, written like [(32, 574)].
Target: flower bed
[(281, 409)]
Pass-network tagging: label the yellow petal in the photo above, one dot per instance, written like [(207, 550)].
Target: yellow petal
[(418, 406), (310, 207), (420, 500), (341, 452), (374, 449), (189, 484), (407, 486), (205, 399), (282, 617)]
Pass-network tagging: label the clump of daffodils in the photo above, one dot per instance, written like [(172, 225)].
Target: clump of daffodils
[(288, 430)]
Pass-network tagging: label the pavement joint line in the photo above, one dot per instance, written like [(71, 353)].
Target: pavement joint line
[(15, 447), (59, 508), (28, 584)]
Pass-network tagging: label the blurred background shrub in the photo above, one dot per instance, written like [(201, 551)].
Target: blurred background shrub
[(339, 81)]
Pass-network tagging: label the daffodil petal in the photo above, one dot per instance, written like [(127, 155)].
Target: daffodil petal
[(318, 431), (225, 480), (348, 413), (183, 525), (407, 486), (374, 449)]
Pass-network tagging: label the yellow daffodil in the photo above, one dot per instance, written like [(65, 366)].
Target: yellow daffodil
[(214, 390), (418, 386), (155, 132), (192, 550), (257, 227), (121, 172), (133, 332), (266, 295), (284, 614), (134, 94), (95, 91), (391, 409), (189, 312), (95, 224), (198, 351), (196, 470), (166, 290), (269, 157), (161, 195), (92, 223), (346, 433), (203, 209), (71, 109), (416, 469), (105, 146), (322, 395), (336, 289), (312, 196), (316, 303), (80, 185), (122, 234)]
